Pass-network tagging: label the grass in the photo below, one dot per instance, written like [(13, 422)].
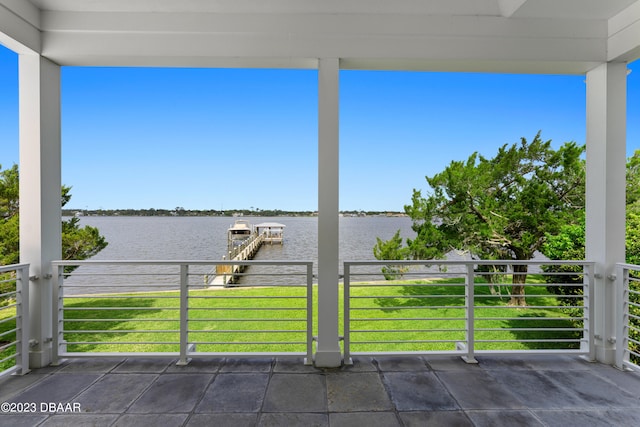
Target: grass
[(219, 320), (408, 309), (417, 315), (7, 323), (273, 319)]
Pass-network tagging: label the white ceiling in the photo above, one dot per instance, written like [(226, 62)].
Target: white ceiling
[(576, 9), (546, 36)]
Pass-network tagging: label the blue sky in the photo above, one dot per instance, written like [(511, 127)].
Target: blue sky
[(225, 139)]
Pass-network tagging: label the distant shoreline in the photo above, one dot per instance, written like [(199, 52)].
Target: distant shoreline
[(212, 212)]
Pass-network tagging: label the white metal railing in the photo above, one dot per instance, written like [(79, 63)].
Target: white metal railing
[(628, 316), (165, 308), (14, 319), (462, 307)]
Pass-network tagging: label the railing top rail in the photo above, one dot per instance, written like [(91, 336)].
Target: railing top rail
[(179, 262), (629, 266), (470, 262), (11, 267)]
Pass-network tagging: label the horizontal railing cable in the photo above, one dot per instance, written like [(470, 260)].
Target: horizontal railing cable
[(400, 307), (628, 320), (14, 319), (139, 308)]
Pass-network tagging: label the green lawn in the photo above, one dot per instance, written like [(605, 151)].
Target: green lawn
[(7, 323), (235, 319), (385, 316), (219, 320), (408, 309)]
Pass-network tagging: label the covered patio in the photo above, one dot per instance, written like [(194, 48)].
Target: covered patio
[(593, 38), (382, 391)]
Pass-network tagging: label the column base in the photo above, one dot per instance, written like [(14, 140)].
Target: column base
[(39, 358), (327, 359), (606, 355)]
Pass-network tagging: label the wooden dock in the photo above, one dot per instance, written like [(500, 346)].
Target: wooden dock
[(243, 242), (226, 274)]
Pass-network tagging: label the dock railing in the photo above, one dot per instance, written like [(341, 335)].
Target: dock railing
[(628, 321), (463, 308), (14, 319), (163, 308)]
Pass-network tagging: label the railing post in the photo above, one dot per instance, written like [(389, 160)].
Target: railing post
[(57, 312), (622, 314), (347, 315), (309, 359), (588, 309), (184, 315), (470, 305), (22, 321)]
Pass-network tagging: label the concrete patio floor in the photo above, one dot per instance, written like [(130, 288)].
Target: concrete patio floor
[(382, 391)]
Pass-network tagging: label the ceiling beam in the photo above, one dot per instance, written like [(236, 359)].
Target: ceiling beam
[(294, 40), (16, 32), (509, 7), (624, 35), (306, 24), (178, 49)]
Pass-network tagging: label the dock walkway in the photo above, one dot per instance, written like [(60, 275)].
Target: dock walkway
[(228, 273)]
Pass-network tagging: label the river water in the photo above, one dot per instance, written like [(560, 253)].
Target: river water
[(205, 238)]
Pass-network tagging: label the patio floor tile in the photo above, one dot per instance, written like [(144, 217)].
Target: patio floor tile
[(479, 390), (59, 388), (294, 420), (296, 393), (418, 391), (172, 393), (114, 393), (155, 420), (241, 392), (537, 389), (408, 391), (369, 419), (504, 418), (80, 420), (348, 392), (223, 420), (435, 418)]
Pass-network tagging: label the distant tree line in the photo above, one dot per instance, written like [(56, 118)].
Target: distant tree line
[(180, 211)]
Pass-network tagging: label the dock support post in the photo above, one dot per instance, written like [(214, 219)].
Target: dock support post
[(328, 345)]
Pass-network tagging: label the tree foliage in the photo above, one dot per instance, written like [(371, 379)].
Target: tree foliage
[(569, 241), (500, 207), (567, 244), (391, 250), (77, 242)]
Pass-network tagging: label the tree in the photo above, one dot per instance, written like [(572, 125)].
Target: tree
[(569, 242), (500, 208), (77, 242), (391, 249)]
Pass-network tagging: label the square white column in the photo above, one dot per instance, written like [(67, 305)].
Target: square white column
[(605, 198), (40, 192), (328, 345)]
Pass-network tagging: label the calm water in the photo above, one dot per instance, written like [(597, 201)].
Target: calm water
[(205, 238)]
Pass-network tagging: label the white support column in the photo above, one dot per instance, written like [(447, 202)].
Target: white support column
[(328, 345), (40, 192), (605, 199)]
